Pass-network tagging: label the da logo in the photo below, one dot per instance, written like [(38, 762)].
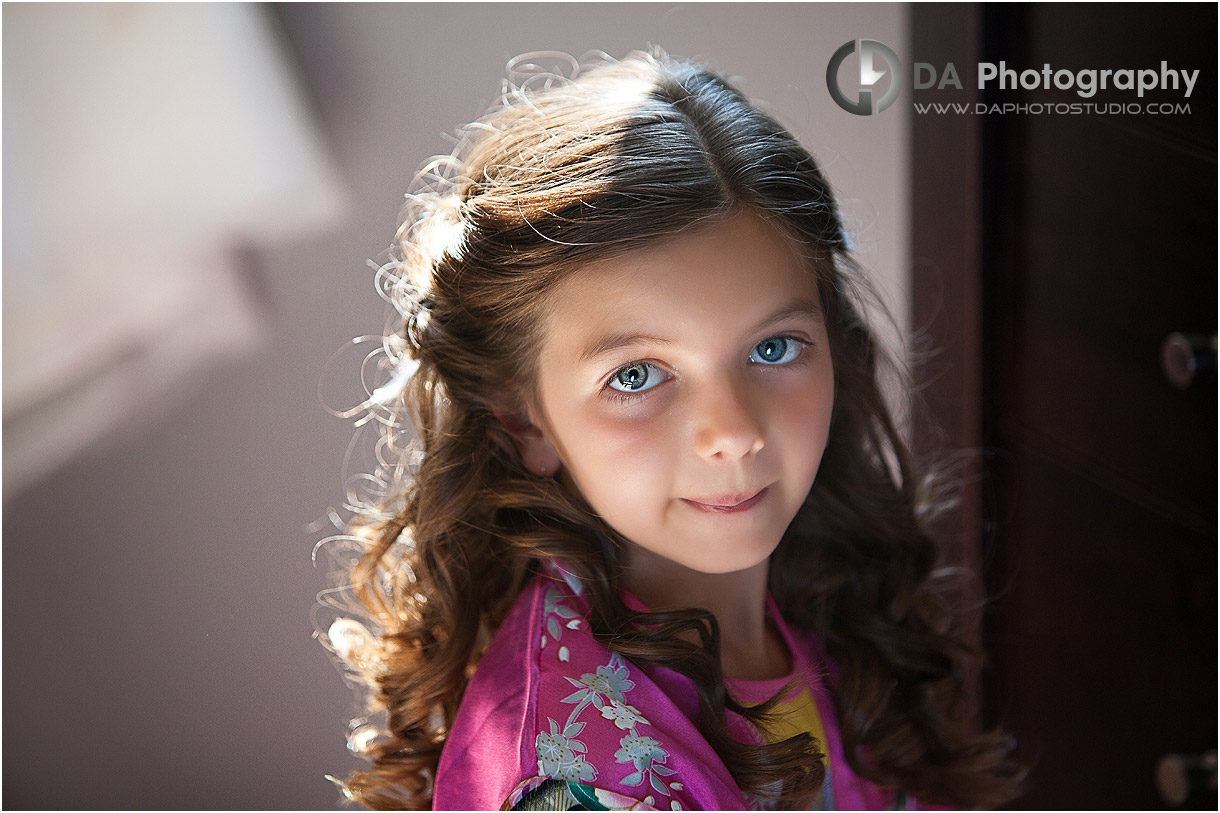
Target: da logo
[(874, 59)]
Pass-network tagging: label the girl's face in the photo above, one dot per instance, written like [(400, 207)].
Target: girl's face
[(686, 390)]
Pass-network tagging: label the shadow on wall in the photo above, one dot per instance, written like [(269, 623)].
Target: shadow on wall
[(143, 146)]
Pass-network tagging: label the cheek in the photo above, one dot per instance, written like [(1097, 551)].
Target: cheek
[(616, 463), (804, 422)]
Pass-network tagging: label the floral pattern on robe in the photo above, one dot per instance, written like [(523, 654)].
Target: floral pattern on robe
[(552, 719)]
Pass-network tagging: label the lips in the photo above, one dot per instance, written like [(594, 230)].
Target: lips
[(727, 503)]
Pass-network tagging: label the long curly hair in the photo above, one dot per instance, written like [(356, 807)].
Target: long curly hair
[(566, 170)]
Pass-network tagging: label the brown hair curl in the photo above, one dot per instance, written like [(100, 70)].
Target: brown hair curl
[(562, 173)]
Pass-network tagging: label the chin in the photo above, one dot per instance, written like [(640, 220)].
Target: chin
[(734, 563)]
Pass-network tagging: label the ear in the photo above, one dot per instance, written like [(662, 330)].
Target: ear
[(537, 453)]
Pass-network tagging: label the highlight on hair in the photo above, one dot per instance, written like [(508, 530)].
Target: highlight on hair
[(570, 167)]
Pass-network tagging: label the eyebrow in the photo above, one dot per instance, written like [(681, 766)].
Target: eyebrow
[(799, 307), (616, 340), (613, 341)]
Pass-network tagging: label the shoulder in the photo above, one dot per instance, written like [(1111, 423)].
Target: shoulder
[(549, 702), (484, 752)]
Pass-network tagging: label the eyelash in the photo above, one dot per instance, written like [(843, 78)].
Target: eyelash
[(625, 397), (635, 397)]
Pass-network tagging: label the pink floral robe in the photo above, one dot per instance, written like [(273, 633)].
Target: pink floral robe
[(552, 719)]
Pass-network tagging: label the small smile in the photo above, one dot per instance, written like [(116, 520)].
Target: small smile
[(727, 503)]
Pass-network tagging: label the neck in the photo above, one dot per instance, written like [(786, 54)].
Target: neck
[(750, 646)]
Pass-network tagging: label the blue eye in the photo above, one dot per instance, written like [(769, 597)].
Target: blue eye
[(776, 350), (636, 377)]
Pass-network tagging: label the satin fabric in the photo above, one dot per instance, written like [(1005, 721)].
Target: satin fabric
[(548, 701)]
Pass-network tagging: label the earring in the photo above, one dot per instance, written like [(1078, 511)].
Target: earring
[(542, 469)]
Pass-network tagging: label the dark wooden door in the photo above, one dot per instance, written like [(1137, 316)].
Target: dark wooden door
[(1096, 240)]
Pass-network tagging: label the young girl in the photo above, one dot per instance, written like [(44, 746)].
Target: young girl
[(656, 543)]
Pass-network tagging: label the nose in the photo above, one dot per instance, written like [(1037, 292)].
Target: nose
[(727, 426)]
